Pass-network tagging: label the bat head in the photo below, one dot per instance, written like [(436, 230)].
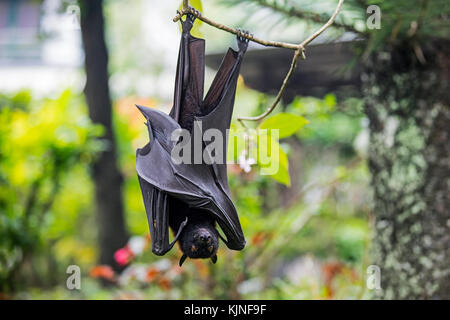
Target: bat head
[(200, 240)]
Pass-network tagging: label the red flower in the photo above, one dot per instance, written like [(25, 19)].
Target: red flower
[(105, 272), (258, 238), (151, 274), (123, 256), (165, 284)]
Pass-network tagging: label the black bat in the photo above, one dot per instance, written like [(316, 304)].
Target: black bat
[(191, 198)]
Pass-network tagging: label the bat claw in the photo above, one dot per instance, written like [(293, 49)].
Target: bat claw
[(192, 15), (242, 38), (195, 12), (184, 223)]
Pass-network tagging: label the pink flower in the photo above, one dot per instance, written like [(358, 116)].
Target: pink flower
[(123, 256)]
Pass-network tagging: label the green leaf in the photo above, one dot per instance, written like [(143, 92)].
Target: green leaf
[(197, 4), (330, 101), (286, 123), (271, 158)]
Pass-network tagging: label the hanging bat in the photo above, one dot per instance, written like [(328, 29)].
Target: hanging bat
[(187, 197)]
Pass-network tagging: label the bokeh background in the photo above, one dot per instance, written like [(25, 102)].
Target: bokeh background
[(308, 228)]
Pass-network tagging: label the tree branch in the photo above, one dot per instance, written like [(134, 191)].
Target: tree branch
[(185, 4), (298, 52), (220, 26), (299, 48)]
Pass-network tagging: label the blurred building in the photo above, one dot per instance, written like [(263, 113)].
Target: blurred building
[(40, 46), (328, 68), (41, 50), (19, 31)]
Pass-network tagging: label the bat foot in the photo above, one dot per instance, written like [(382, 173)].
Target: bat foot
[(188, 22), (242, 39), (195, 12), (191, 17)]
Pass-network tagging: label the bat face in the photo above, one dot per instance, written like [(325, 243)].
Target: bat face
[(199, 240)]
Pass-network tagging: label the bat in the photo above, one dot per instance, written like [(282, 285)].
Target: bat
[(189, 197)]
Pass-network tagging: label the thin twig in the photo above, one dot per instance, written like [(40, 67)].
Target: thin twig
[(280, 92), (324, 27)]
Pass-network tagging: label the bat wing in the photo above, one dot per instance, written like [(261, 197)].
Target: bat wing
[(157, 207), (189, 81), (203, 186), (150, 160), (161, 178), (217, 110)]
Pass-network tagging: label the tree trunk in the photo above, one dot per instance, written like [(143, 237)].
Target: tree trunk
[(407, 103), (107, 177)]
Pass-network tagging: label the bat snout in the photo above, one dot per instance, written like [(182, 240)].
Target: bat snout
[(205, 238)]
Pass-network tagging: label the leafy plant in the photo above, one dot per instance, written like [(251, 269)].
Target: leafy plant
[(40, 143)]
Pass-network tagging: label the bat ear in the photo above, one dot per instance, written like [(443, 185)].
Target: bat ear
[(183, 257), (214, 259)]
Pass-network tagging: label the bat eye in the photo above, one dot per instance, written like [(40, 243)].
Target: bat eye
[(193, 248)]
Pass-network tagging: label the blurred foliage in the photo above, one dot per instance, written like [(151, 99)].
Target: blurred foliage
[(310, 246), (419, 20), (308, 241), (402, 21), (43, 144)]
